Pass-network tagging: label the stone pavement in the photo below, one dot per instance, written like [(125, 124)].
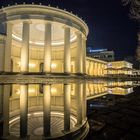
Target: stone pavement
[(117, 119)]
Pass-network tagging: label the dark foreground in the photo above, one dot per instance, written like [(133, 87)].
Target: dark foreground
[(115, 117)]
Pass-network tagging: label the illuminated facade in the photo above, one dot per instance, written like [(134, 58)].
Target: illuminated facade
[(42, 40), (43, 64), (95, 67), (119, 68), (120, 88)]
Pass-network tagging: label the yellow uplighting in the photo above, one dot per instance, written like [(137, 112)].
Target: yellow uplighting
[(72, 63), (53, 90), (53, 65), (17, 91), (31, 90), (30, 64), (42, 43)]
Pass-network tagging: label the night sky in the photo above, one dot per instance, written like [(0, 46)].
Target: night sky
[(108, 22)]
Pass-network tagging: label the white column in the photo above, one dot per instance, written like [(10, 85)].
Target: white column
[(6, 95), (89, 70), (23, 110), (84, 102), (67, 100), (47, 47), (67, 56), (97, 69), (1, 99), (1, 109), (84, 54), (93, 68), (79, 53), (25, 47), (79, 103), (2, 42), (47, 109), (8, 45)]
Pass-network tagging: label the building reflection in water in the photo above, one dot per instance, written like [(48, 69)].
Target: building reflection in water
[(120, 88), (44, 109), (94, 90), (59, 108)]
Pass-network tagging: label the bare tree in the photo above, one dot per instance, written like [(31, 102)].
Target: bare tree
[(134, 6)]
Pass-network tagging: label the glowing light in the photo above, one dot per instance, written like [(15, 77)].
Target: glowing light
[(15, 119), (16, 37), (38, 113), (29, 114), (30, 64), (53, 65), (42, 43), (98, 50), (17, 91), (53, 90), (72, 63), (31, 90)]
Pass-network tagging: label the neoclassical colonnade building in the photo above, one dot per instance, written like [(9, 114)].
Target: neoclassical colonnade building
[(41, 38), (42, 41)]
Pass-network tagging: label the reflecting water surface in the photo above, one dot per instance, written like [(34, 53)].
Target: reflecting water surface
[(116, 114), (63, 106)]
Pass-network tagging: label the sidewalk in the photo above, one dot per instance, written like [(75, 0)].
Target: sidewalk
[(119, 119)]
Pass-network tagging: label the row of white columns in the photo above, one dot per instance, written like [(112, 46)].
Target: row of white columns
[(95, 68), (80, 55), (80, 107), (80, 52)]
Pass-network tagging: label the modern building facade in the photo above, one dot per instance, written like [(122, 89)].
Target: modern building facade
[(101, 54), (43, 67)]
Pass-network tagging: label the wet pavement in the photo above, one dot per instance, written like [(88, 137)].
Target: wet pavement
[(115, 117)]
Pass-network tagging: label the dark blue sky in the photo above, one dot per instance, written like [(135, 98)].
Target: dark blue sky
[(108, 22)]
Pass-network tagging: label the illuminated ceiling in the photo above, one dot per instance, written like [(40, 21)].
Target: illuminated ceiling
[(37, 33)]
